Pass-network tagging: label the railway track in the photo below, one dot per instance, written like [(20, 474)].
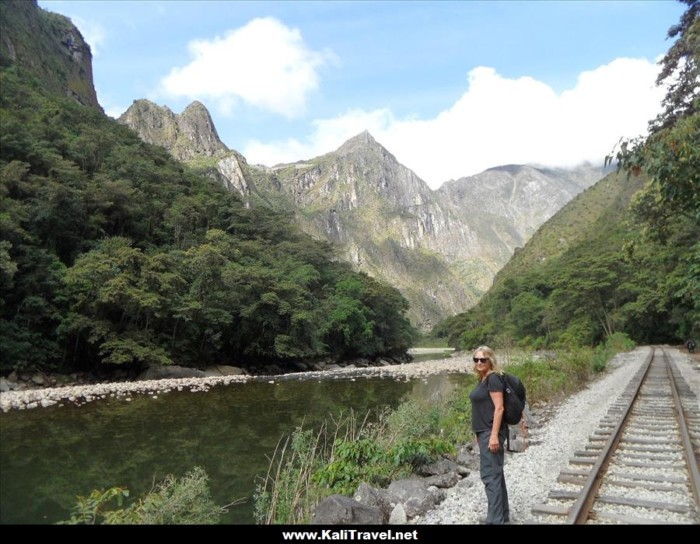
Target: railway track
[(641, 464)]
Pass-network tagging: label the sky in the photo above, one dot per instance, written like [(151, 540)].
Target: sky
[(450, 88)]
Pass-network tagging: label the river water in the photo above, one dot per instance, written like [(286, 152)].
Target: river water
[(49, 456)]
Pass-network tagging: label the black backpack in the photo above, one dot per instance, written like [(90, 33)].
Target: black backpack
[(514, 397)]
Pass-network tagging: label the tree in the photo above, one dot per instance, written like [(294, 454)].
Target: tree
[(681, 68), (669, 154)]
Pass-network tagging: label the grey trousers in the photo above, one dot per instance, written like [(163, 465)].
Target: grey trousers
[(492, 476)]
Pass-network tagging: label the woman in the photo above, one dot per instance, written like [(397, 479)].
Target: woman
[(490, 429)]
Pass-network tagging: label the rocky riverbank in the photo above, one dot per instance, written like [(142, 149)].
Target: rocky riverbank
[(82, 393)]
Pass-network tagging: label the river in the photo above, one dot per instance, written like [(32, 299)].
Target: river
[(48, 456)]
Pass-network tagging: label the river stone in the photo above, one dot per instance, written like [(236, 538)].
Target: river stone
[(518, 444), (13, 376), (449, 479), (158, 372), (341, 510), (416, 495), (441, 466), (467, 457), (4, 385), (398, 515), (212, 371), (375, 498), (38, 379)]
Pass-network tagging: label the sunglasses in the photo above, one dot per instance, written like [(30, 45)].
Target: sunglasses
[(481, 359)]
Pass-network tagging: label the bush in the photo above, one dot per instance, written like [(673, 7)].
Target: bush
[(173, 502), (619, 341), (411, 420)]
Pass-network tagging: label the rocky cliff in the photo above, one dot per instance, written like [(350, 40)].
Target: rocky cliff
[(440, 248), (49, 47), (186, 136), (518, 198)]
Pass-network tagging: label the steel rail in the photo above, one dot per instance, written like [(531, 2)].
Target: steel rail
[(688, 451), (580, 510)]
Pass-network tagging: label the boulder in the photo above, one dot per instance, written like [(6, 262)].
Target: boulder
[(158, 372), (466, 483), (415, 494), (518, 444), (341, 510), (398, 515), (441, 466), (4, 385), (38, 379), (13, 376), (375, 498), (448, 479), (467, 457)]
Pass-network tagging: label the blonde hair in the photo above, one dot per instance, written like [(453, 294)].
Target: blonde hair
[(488, 352)]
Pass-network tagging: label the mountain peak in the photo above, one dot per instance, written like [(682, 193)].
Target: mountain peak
[(186, 136), (364, 141), (195, 106), (142, 105)]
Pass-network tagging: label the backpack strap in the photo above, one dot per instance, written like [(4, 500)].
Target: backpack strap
[(505, 386)]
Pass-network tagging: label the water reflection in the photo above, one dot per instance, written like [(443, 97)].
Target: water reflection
[(49, 456)]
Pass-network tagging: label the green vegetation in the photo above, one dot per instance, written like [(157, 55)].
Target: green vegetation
[(186, 501), (111, 252), (611, 280), (346, 451), (311, 464)]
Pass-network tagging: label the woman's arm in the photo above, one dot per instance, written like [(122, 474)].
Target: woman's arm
[(497, 398)]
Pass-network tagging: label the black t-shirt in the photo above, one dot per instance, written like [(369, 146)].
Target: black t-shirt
[(482, 405)]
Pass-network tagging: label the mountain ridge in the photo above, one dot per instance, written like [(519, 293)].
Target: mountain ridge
[(389, 223)]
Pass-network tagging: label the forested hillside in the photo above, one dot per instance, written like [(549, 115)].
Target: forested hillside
[(113, 252)]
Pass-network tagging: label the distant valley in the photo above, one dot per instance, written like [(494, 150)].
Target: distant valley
[(441, 248)]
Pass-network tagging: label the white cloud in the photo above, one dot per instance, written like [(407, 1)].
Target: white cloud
[(115, 111), (498, 121), (93, 33), (264, 63)]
